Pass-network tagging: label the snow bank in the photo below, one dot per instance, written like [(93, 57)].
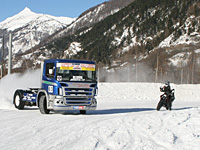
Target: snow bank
[(145, 92), (10, 83)]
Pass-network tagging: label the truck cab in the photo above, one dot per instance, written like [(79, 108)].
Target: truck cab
[(65, 85)]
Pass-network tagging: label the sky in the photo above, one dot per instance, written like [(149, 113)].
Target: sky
[(65, 8)]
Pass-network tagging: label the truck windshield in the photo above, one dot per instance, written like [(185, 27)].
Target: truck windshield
[(75, 72)]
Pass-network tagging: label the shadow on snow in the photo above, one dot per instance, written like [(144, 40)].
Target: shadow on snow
[(110, 111), (182, 108), (127, 110), (118, 111)]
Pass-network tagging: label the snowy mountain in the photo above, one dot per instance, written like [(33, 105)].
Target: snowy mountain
[(34, 36), (153, 41), (134, 37), (26, 17), (125, 119), (94, 15), (29, 29)]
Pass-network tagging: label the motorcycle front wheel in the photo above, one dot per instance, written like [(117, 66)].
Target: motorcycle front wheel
[(159, 105)]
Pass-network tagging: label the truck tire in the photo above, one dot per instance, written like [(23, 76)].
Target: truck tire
[(17, 100), (43, 105)]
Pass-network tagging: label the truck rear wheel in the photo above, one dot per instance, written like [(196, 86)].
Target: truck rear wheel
[(43, 105), (17, 100)]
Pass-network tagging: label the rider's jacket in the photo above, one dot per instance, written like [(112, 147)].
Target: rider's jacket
[(166, 89)]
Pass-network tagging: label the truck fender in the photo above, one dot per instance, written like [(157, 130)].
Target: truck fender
[(40, 93)]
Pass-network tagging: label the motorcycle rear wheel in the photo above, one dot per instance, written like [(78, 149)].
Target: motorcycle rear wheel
[(169, 105)]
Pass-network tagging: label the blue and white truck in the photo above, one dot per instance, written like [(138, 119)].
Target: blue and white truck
[(65, 85)]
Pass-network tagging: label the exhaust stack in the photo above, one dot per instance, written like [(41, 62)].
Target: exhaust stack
[(10, 54)]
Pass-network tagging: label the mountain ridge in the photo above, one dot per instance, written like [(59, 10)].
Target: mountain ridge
[(26, 16), (29, 29)]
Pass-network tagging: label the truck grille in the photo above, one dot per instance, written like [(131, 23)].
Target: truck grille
[(78, 96)]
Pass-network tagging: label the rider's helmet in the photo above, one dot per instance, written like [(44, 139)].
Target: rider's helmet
[(167, 83)]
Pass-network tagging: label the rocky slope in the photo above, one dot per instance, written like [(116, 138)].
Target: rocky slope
[(137, 35)]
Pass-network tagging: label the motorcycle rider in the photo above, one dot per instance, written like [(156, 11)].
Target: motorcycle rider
[(166, 88)]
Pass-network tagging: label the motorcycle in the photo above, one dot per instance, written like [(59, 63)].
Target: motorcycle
[(166, 101)]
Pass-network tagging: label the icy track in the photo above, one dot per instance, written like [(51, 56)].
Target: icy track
[(125, 119)]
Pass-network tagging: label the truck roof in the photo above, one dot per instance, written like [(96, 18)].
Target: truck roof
[(68, 61)]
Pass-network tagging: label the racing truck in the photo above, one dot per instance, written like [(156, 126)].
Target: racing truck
[(65, 85)]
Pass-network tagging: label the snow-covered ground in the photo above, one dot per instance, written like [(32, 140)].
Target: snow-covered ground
[(125, 119)]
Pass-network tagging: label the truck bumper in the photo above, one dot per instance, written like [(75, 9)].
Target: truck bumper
[(58, 104), (61, 107)]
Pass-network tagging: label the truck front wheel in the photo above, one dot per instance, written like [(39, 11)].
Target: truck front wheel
[(17, 100), (43, 105)]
